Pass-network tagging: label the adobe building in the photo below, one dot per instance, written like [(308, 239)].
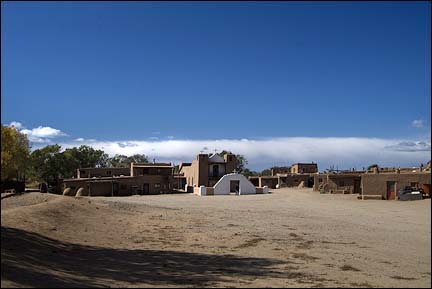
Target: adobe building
[(342, 183), (280, 170), (289, 176), (375, 183), (386, 185), (102, 172), (304, 168), (261, 181), (282, 180), (141, 179), (206, 170)]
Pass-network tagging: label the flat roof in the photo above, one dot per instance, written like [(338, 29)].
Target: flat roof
[(153, 165), (101, 178), (127, 168)]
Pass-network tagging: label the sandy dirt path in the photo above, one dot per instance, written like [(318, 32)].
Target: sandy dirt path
[(290, 238)]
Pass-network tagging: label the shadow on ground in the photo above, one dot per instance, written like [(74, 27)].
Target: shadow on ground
[(30, 259)]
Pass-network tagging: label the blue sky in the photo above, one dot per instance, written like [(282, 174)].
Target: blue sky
[(201, 72)]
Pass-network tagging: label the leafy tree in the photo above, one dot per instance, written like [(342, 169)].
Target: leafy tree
[(266, 172), (48, 163), (85, 157), (248, 173), (122, 161), (138, 158), (15, 151), (372, 166), (118, 161), (241, 161)]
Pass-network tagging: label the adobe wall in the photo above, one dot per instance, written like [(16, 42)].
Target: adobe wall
[(202, 174), (102, 172), (270, 182), (376, 184), (304, 168), (230, 163), (280, 170), (337, 183), (293, 180), (126, 186)]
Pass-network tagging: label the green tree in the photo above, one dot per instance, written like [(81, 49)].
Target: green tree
[(118, 161), (15, 151), (48, 164), (85, 157), (122, 161), (372, 166), (138, 158), (241, 161), (248, 173), (266, 172)]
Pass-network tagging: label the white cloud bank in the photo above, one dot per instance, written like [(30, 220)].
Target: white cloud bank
[(344, 152)]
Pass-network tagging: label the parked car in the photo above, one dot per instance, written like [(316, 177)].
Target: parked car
[(409, 194)]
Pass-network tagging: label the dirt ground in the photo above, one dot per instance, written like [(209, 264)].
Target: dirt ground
[(290, 238)]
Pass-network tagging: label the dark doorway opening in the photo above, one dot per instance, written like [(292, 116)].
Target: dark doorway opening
[(146, 189), (215, 170), (115, 189), (234, 187)]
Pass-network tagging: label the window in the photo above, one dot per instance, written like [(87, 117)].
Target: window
[(83, 172), (341, 183), (122, 186), (229, 158), (109, 173), (320, 180), (145, 171), (157, 185)]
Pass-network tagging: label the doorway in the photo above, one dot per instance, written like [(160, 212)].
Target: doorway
[(391, 190), (146, 189), (357, 189), (235, 187), (215, 171), (115, 189)]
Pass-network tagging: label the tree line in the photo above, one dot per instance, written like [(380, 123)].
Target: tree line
[(50, 163)]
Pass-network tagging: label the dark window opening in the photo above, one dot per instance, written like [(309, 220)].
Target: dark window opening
[(215, 170)]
